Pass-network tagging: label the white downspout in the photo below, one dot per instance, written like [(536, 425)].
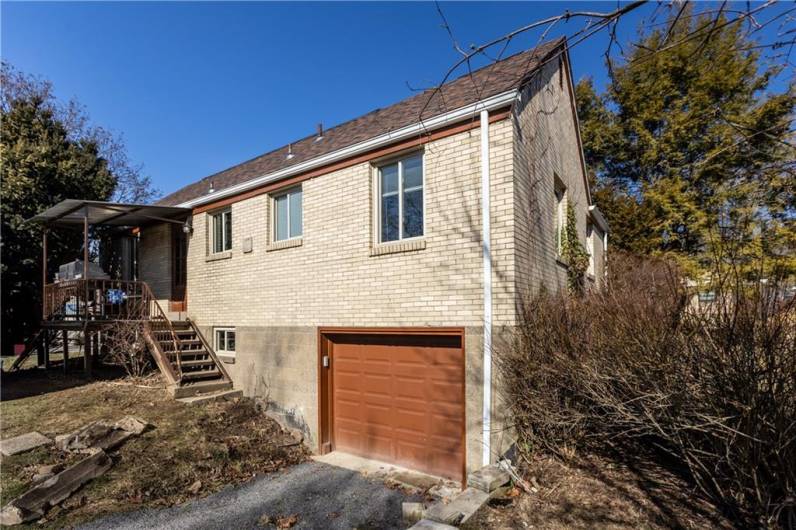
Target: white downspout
[(487, 253)]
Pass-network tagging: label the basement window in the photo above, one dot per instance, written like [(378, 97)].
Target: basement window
[(400, 204), (224, 341), (222, 230)]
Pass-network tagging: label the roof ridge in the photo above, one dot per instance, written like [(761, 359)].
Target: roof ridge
[(543, 47)]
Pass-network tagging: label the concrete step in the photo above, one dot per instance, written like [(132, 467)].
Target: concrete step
[(459, 509), (214, 396)]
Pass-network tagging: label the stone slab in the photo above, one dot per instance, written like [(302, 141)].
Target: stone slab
[(489, 478), (459, 509), (428, 524), (23, 443), (33, 503), (412, 512), (95, 435)]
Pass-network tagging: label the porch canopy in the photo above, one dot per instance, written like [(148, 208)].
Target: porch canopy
[(75, 213)]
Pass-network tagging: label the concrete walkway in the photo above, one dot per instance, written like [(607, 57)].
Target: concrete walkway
[(322, 496)]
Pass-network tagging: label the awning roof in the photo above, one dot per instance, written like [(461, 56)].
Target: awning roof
[(70, 213)]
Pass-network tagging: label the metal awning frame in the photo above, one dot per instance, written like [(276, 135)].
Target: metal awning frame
[(56, 216)]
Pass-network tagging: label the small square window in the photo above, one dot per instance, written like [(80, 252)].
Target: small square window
[(225, 341), (400, 206), (221, 223), (288, 215)]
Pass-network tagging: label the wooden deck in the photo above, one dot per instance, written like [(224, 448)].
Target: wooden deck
[(85, 311)]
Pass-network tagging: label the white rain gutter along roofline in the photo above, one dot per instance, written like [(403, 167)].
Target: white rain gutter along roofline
[(491, 103)]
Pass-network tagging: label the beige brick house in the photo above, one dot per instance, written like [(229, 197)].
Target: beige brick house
[(359, 278)]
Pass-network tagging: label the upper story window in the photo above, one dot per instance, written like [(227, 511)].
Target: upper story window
[(560, 220), (288, 214), (222, 230), (400, 193)]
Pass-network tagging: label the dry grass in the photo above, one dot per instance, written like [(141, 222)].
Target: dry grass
[(214, 445), (592, 492)]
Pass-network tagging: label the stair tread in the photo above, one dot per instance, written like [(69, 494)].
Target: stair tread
[(201, 374), (197, 362)]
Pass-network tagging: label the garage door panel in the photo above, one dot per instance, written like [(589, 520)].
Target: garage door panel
[(410, 388), (408, 420), (399, 398), (347, 381), (442, 427)]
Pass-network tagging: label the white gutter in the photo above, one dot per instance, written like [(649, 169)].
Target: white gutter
[(487, 253), (491, 103)]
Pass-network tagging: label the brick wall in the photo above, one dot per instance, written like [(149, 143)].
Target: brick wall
[(546, 147), (333, 278)]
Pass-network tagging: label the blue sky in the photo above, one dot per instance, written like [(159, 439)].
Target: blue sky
[(198, 87)]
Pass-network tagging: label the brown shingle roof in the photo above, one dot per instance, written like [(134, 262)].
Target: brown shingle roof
[(488, 81)]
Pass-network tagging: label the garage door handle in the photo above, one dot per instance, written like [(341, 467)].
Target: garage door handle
[(326, 361)]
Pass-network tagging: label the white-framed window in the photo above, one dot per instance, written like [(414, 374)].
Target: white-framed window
[(590, 247), (224, 341), (288, 214), (400, 209), (560, 221), (221, 230)]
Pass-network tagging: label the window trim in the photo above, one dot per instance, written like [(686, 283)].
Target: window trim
[(590, 246), (377, 196), (225, 329), (211, 229), (560, 220), (273, 197)]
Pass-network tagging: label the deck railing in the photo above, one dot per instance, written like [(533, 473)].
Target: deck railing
[(96, 299), (107, 300)]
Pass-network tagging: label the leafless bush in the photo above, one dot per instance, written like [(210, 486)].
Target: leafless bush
[(638, 368), (127, 348)]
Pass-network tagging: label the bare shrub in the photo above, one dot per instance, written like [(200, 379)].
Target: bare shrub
[(128, 348), (637, 368)]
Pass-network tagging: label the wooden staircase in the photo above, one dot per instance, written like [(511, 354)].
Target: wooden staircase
[(185, 358)]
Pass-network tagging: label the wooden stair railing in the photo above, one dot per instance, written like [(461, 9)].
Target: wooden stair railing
[(209, 350), (168, 362)]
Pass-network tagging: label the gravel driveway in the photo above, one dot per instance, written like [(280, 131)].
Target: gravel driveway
[(322, 496)]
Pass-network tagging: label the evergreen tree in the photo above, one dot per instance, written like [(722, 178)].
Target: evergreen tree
[(47, 153), (691, 151)]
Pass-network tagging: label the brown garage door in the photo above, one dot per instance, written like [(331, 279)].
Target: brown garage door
[(400, 399)]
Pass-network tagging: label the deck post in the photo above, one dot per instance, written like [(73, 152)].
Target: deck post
[(46, 349), (65, 336), (88, 348), (85, 261), (44, 274), (40, 353)]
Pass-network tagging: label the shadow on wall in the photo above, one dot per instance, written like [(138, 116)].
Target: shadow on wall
[(289, 417)]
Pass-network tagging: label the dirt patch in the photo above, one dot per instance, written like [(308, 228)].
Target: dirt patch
[(597, 493), (191, 451)]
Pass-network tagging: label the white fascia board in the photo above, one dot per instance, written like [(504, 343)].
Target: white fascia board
[(442, 120)]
